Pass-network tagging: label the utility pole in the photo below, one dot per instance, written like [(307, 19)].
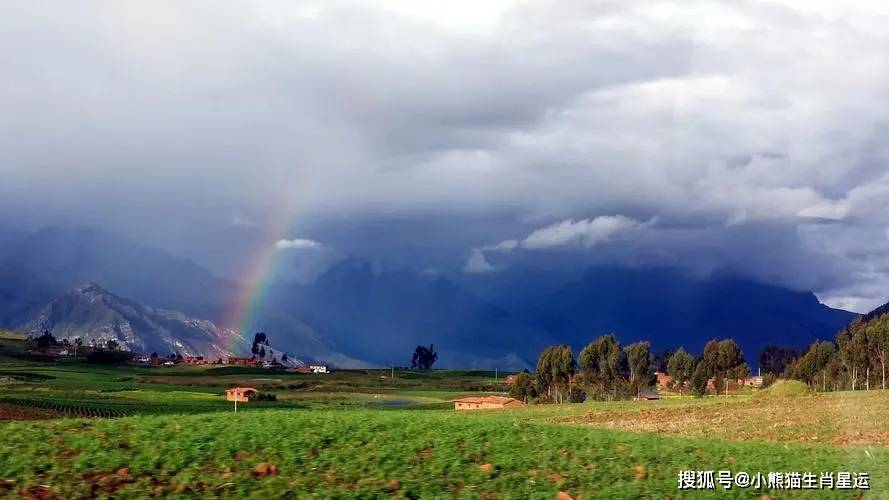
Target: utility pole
[(495, 375)]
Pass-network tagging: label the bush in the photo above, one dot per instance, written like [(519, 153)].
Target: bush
[(768, 379), (576, 395)]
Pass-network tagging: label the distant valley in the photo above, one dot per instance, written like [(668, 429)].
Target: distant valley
[(94, 284)]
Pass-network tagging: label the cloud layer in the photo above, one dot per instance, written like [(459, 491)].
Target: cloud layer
[(729, 118), (297, 244)]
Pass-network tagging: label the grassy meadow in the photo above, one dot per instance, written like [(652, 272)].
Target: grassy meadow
[(72, 430)]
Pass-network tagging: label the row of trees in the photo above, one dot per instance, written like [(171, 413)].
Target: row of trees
[(604, 370), (859, 357)]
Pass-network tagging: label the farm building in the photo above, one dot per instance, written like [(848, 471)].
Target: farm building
[(194, 360), (241, 394), (663, 380), (487, 403), (648, 396), (232, 360), (319, 369)]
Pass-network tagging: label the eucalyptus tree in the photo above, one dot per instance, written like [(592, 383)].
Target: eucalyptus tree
[(555, 368), (681, 366), (600, 364), (639, 360)]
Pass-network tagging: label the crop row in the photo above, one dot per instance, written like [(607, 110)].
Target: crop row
[(68, 408)]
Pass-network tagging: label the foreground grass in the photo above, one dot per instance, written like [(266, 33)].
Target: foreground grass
[(368, 453)]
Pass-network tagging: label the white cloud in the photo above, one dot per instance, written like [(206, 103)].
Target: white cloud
[(505, 245), (477, 263), (868, 201), (583, 232), (297, 244), (734, 113)]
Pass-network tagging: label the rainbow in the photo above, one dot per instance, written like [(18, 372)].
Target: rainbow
[(240, 314)]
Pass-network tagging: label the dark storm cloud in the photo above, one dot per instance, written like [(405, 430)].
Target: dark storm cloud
[(723, 117)]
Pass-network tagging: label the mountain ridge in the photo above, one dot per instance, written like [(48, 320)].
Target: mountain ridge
[(96, 315)]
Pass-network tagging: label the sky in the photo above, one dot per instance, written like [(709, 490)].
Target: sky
[(740, 136)]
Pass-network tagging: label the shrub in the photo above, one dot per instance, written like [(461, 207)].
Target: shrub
[(576, 395)]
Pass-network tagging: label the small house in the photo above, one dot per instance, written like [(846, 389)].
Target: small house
[(318, 369), (487, 403), (241, 394), (663, 380), (194, 360), (234, 360), (648, 396)]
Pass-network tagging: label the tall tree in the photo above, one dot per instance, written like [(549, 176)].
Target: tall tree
[(699, 378), (729, 363), (424, 357), (710, 358), (639, 359), (260, 339), (853, 351), (877, 331), (774, 359), (600, 363), (681, 366), (555, 368), (812, 367), (45, 340)]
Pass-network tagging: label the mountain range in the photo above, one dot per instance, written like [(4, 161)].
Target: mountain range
[(91, 283), (95, 315)]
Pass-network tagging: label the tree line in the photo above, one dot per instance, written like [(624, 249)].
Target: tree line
[(604, 370), (858, 358)]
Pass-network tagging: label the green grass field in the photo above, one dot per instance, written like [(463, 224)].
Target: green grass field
[(129, 432)]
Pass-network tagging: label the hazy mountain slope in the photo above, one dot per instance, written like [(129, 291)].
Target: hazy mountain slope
[(353, 312), (382, 316), (669, 308), (879, 311), (54, 260), (96, 315)]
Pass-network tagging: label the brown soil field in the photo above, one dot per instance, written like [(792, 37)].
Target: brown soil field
[(836, 418)]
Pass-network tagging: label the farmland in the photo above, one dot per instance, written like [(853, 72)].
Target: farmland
[(365, 434)]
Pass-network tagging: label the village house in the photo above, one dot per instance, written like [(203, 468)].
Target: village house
[(663, 380), (233, 360), (487, 403), (240, 394), (194, 360), (648, 396), (730, 385)]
